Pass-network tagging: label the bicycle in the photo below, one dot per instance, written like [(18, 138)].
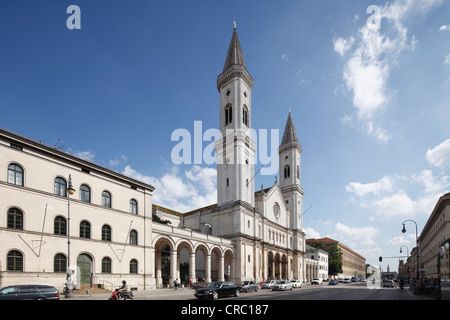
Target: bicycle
[(178, 288)]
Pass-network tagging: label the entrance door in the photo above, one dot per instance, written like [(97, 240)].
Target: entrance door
[(84, 263)]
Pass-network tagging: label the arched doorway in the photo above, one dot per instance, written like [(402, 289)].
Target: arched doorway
[(84, 263), (163, 249)]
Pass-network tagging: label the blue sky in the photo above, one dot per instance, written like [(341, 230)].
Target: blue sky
[(370, 106)]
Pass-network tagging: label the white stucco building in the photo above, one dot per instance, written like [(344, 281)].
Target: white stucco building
[(247, 234)]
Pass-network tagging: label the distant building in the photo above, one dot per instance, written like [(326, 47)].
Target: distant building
[(316, 263), (353, 264)]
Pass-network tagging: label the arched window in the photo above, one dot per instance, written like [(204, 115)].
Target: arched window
[(298, 172), (133, 206), (245, 115), (85, 193), (106, 233), (14, 261), (59, 263), (106, 199), (15, 219), (60, 187), (106, 265), (287, 172), (228, 114), (85, 229), (133, 266), (133, 237), (15, 174), (60, 226)]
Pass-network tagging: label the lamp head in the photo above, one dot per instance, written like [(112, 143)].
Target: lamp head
[(403, 230), (70, 188)]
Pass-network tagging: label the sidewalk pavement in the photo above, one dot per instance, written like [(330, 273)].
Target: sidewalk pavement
[(105, 296)]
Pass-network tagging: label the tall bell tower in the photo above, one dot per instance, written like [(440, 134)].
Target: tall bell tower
[(290, 152), (235, 150)]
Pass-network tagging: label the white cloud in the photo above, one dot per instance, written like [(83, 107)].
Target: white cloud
[(284, 57), (446, 59), (346, 121), (444, 28), (401, 205), (379, 133), (341, 45), (182, 192), (384, 184), (311, 233), (439, 156), (371, 56), (85, 155), (115, 162), (355, 237), (431, 183), (398, 241)]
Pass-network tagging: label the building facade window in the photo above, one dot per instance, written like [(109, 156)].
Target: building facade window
[(85, 193), (14, 261), (106, 265), (106, 199), (15, 174), (59, 263), (106, 233), (15, 219), (228, 114), (245, 115), (133, 266), (85, 230), (287, 172), (133, 206), (60, 226), (60, 187), (133, 237)]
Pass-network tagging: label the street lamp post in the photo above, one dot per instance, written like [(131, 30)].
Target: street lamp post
[(417, 246), (70, 191), (407, 250)]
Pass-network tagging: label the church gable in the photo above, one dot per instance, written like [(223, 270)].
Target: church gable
[(275, 208)]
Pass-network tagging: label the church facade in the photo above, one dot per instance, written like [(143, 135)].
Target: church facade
[(111, 234)]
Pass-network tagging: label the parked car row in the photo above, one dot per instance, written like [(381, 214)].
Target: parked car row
[(218, 289), (289, 284), (29, 292)]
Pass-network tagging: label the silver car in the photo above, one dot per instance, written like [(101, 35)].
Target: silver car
[(248, 286), (282, 285), (268, 284), (388, 283)]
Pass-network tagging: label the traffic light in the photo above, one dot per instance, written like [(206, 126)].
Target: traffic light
[(380, 259)]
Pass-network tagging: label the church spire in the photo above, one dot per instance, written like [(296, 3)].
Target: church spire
[(234, 65), (234, 55), (289, 132)]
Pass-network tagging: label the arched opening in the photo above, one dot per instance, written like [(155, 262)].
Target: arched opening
[(163, 248), (84, 263)]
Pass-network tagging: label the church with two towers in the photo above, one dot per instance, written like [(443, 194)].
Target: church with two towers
[(265, 225)]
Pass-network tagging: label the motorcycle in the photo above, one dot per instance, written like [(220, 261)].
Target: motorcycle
[(121, 295)]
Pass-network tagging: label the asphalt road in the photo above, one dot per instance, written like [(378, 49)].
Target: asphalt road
[(353, 291)]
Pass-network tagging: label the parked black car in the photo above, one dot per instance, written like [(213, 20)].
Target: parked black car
[(219, 289), (29, 292)]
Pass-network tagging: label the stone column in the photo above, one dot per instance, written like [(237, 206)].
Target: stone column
[(208, 267), (173, 266), (221, 268), (192, 267)]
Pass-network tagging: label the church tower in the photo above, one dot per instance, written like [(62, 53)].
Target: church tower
[(235, 150), (290, 152)]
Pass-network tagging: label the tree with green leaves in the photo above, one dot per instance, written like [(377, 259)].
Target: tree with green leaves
[(334, 256)]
